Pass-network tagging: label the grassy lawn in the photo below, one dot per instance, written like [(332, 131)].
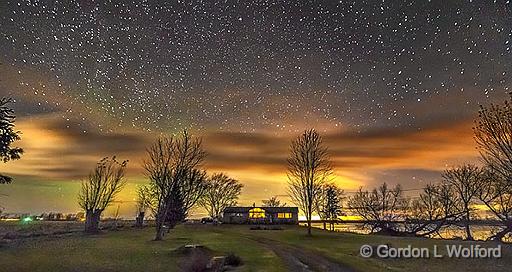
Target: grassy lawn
[(128, 250), (133, 250), (344, 247)]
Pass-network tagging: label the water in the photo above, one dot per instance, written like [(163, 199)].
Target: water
[(451, 232)]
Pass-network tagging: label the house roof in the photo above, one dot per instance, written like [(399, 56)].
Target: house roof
[(267, 209)]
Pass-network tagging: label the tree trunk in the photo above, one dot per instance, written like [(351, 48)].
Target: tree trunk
[(139, 221), (468, 229), (92, 221), (469, 237), (160, 220), (500, 235), (159, 231), (161, 217), (309, 225), (325, 225)]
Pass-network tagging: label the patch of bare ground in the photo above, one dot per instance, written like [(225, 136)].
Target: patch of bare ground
[(300, 259)]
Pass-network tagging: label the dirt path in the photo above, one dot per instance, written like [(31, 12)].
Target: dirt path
[(299, 259)]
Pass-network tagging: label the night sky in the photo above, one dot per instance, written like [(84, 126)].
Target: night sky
[(393, 86)]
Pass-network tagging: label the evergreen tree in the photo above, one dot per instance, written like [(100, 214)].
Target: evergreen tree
[(8, 136)]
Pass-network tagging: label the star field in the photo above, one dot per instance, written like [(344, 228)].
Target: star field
[(251, 65)]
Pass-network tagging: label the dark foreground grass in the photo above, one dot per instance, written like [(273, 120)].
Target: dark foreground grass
[(128, 250), (344, 247), (133, 250)]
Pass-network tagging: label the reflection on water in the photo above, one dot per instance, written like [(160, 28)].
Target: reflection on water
[(452, 232)]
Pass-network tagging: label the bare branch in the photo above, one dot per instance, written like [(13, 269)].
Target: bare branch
[(100, 189), (309, 167), (221, 192)]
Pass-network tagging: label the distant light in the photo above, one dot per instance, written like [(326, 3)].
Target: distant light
[(27, 219)]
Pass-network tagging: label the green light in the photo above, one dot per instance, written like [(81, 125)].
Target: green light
[(27, 219)]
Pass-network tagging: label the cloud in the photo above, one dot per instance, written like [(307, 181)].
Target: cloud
[(396, 155), (430, 148), (59, 149)]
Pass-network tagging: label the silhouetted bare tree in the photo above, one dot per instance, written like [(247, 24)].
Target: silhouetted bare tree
[(100, 189), (388, 211), (328, 204), (466, 181), (435, 208), (8, 136), (493, 135), (221, 192), (496, 194), (309, 167), (171, 167), (273, 202), (143, 204), (381, 208)]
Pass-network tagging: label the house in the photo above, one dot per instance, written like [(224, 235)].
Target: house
[(261, 215)]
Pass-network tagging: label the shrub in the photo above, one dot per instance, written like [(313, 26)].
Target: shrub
[(233, 260)]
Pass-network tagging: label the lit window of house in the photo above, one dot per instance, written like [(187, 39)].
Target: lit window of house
[(284, 215), (256, 213)]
